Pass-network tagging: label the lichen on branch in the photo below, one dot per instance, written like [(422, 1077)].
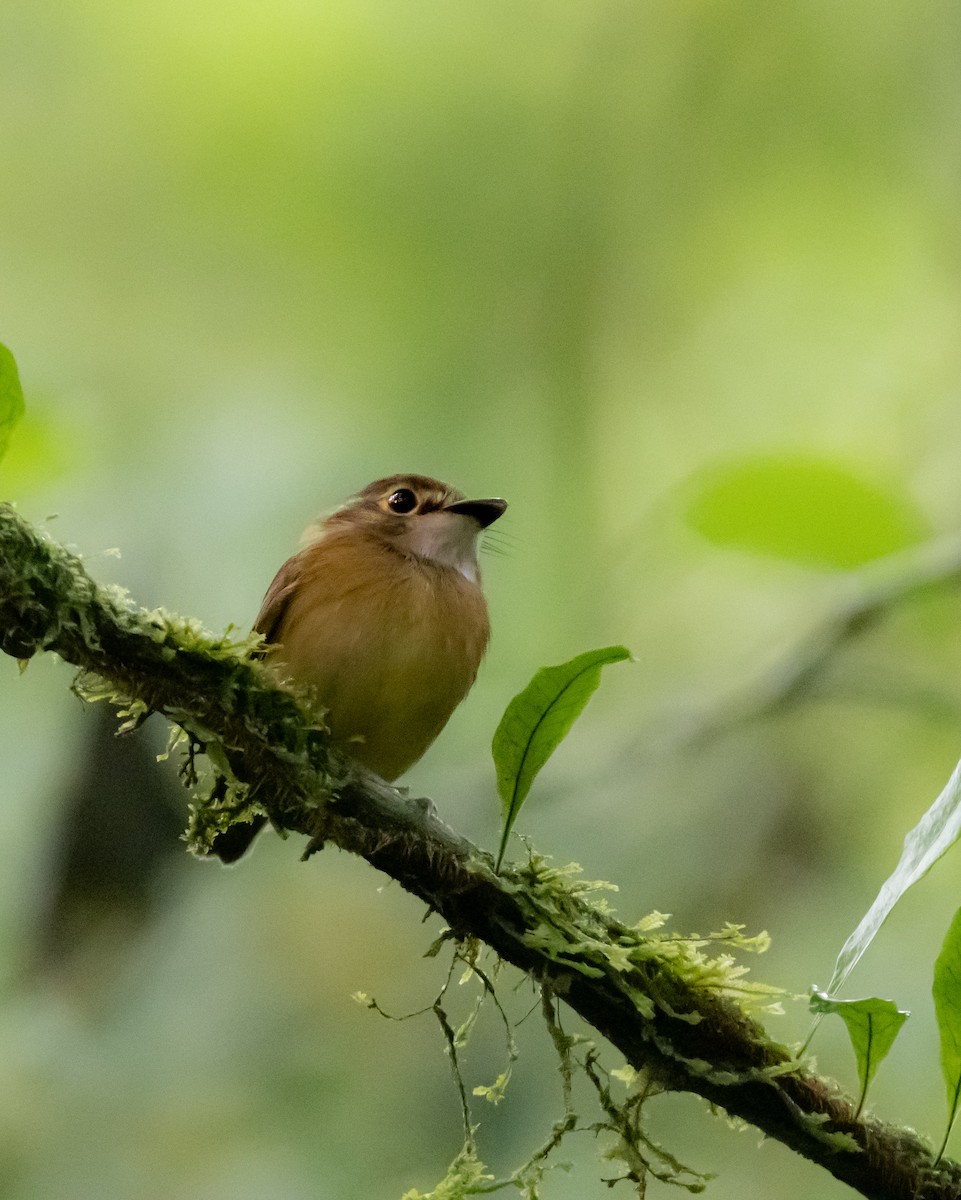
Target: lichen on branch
[(673, 1011)]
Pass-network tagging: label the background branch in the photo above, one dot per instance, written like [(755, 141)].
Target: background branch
[(871, 594), (688, 1037)]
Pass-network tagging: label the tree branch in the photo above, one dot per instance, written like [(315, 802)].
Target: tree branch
[(868, 596), (663, 1012)]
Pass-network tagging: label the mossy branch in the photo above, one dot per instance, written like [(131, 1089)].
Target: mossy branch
[(669, 1015)]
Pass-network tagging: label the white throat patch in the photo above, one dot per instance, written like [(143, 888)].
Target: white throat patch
[(445, 537)]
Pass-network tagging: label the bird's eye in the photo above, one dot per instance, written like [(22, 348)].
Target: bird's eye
[(402, 501)]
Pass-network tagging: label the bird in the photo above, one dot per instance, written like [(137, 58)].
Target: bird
[(380, 620)]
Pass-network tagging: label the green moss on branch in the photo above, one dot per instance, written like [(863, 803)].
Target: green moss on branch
[(676, 1015)]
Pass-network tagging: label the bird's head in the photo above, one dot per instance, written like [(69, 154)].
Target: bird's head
[(421, 517)]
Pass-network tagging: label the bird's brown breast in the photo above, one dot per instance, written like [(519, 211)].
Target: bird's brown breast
[(389, 644)]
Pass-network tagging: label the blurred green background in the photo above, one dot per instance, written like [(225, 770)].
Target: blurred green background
[(680, 280)]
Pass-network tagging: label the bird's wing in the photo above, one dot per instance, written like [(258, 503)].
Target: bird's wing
[(233, 842), (278, 595)]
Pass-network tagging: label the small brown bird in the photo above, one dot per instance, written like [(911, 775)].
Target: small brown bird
[(382, 617)]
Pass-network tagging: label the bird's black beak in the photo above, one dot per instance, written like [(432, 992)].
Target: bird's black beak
[(484, 512)]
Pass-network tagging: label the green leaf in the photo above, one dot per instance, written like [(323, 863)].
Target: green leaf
[(946, 990), (806, 509), (47, 446), (872, 1026), (933, 836), (536, 722), (11, 397)]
